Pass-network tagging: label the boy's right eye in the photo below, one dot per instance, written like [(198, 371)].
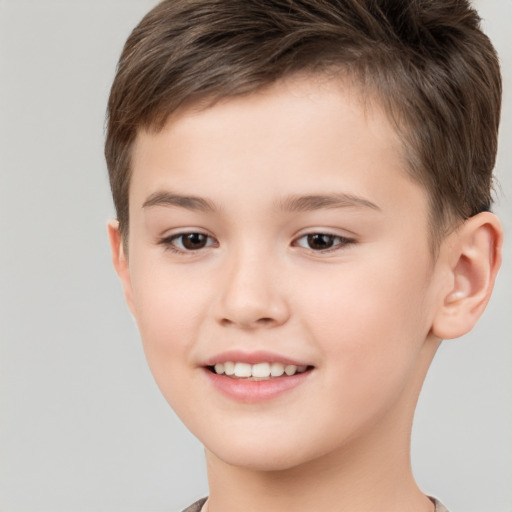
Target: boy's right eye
[(187, 242)]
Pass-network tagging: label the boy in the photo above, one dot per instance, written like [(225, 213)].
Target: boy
[(303, 192)]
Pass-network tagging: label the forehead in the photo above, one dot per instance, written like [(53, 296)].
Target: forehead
[(301, 133)]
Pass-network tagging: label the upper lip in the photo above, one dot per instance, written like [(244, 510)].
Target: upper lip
[(251, 357)]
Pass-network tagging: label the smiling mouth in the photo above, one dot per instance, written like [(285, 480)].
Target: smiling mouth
[(258, 371)]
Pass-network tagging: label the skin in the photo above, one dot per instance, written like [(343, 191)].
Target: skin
[(368, 314)]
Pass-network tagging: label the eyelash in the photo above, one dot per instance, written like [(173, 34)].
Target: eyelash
[(341, 242), (169, 242)]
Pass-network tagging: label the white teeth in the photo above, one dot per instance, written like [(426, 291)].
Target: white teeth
[(229, 368), (258, 371), (276, 369), (243, 370), (261, 370), (290, 369)]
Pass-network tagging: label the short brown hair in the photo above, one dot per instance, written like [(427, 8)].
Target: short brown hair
[(427, 62)]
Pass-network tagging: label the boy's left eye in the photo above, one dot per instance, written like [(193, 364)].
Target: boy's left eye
[(322, 241)]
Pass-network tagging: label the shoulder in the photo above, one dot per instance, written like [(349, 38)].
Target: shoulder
[(439, 506), (196, 507)]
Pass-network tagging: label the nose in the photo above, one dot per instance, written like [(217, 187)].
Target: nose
[(252, 294)]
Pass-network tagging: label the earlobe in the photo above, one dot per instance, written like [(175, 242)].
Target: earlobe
[(473, 257), (120, 261)]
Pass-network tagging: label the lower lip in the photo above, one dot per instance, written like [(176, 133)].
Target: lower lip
[(252, 391)]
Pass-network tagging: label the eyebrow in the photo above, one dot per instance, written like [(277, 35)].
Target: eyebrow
[(165, 198), (306, 203)]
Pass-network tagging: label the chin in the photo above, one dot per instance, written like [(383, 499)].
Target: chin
[(262, 453)]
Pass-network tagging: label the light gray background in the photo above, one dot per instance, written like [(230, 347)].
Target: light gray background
[(83, 426)]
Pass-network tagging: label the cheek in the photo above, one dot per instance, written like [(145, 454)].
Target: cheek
[(372, 321), (366, 300), (168, 314)]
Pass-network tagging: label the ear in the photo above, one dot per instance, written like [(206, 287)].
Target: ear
[(120, 262), (472, 256)]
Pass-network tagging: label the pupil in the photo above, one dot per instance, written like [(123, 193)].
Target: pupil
[(320, 241), (194, 241)]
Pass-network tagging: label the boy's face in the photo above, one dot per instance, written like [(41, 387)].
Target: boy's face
[(281, 227)]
